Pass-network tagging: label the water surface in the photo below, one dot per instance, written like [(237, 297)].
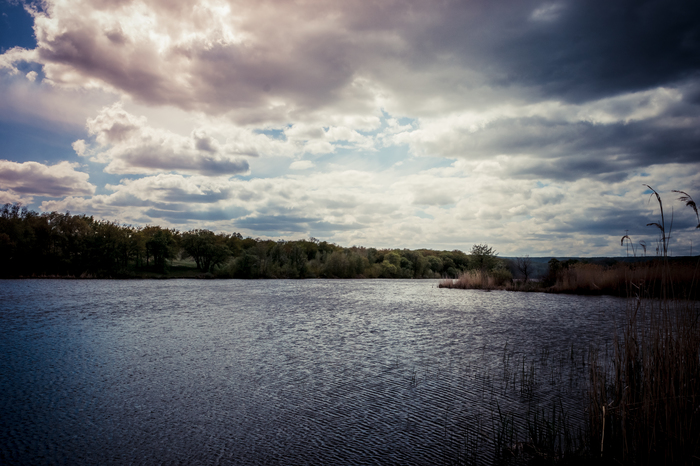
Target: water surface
[(274, 371)]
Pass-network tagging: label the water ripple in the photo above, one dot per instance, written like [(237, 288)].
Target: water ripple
[(279, 372)]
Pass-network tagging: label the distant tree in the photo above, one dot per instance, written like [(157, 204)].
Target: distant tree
[(435, 264), (555, 266), (248, 243), (337, 265), (235, 244), (296, 267), (524, 265), (161, 244), (106, 247), (206, 248), (460, 259), (447, 262), (483, 257), (246, 266)]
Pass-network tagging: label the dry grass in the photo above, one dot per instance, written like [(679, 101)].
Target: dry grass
[(644, 390), (479, 280), (470, 280), (654, 278), (678, 279), (645, 393)]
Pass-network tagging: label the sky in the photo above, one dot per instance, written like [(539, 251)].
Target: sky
[(531, 126)]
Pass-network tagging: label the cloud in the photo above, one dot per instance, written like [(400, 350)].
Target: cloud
[(185, 216), (276, 223), (524, 124), (301, 165), (9, 197), (129, 146), (242, 58), (286, 224), (43, 106), (547, 12), (10, 58), (553, 140), (516, 216), (33, 178)]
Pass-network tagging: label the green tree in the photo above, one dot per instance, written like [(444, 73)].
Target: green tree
[(483, 258), (206, 248), (161, 244), (435, 264), (337, 265)]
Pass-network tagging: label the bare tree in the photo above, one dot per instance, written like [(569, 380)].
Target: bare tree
[(524, 265)]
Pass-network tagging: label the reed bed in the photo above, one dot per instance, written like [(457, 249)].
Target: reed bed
[(478, 280), (643, 388), (645, 393), (529, 410), (653, 279), (674, 279)]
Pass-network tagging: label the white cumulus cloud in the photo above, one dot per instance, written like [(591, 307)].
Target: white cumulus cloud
[(37, 179)]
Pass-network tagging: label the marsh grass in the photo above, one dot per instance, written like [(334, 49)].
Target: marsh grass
[(478, 280), (645, 396), (642, 391), (670, 278), (673, 279), (645, 392), (528, 411)]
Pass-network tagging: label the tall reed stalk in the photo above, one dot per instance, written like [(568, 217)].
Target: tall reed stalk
[(645, 396), (645, 400)]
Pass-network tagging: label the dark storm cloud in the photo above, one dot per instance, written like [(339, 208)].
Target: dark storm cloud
[(564, 150), (162, 159), (265, 58), (615, 220), (208, 197), (600, 48), (574, 50), (330, 227), (606, 221)]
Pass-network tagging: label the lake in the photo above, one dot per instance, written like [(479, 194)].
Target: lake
[(281, 371)]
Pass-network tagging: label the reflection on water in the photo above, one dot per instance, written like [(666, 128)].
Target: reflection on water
[(275, 372)]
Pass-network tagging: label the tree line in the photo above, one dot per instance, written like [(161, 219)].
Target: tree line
[(61, 244)]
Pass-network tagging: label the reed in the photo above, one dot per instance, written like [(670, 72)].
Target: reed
[(644, 405), (479, 280), (660, 278), (645, 396)]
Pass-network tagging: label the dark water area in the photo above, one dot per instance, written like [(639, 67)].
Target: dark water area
[(278, 372)]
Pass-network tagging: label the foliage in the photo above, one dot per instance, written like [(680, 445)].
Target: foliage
[(483, 258), (55, 244), (485, 271), (206, 248), (159, 243)]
